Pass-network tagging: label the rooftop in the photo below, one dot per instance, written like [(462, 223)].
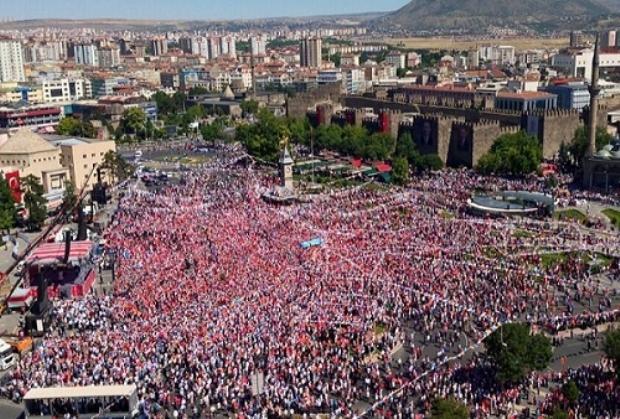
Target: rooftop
[(82, 392), (25, 141), (525, 95)]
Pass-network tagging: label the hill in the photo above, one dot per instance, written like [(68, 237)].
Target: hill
[(479, 15)]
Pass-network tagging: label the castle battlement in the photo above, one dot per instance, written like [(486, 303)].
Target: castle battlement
[(483, 123), (561, 113)]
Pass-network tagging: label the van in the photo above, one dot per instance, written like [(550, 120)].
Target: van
[(7, 357)]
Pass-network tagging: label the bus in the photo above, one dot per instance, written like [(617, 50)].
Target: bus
[(101, 402)]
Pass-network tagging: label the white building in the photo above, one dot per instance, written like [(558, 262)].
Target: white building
[(353, 80), (11, 61), (329, 76), (228, 46), (259, 45), (579, 63), (63, 90), (396, 59), (86, 54), (498, 54)]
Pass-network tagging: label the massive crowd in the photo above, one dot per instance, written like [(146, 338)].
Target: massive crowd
[(213, 290)]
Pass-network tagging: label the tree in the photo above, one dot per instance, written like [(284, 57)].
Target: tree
[(35, 202), (73, 126), (165, 104), (612, 348), (134, 121), (512, 154), (449, 409), (328, 137), (336, 59), (579, 147), (379, 147), (249, 107), (559, 414), (8, 212), (116, 167), (571, 392), (263, 138), (429, 162), (69, 199), (179, 99), (405, 147), (213, 131), (300, 130), (198, 90), (400, 171), (402, 72), (515, 352)]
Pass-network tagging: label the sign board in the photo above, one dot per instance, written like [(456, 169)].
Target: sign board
[(258, 383)]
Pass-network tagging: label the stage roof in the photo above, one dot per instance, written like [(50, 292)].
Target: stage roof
[(56, 251)]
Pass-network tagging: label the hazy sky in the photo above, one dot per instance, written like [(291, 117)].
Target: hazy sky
[(187, 9)]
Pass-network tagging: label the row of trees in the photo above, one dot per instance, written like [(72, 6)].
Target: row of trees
[(262, 140)]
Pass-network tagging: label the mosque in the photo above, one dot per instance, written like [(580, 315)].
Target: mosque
[(601, 169)]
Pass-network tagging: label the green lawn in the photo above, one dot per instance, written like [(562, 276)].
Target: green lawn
[(447, 215), (614, 216), (522, 234), (551, 259), (571, 215)]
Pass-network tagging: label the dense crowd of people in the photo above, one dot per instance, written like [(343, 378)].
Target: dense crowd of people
[(213, 291)]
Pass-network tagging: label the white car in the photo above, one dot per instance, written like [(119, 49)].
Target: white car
[(19, 269), (7, 357)]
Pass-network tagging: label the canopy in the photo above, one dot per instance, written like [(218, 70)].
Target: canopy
[(56, 251)]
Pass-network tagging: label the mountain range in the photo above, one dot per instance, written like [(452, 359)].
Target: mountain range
[(479, 15)]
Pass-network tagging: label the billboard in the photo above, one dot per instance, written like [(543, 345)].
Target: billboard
[(425, 135)]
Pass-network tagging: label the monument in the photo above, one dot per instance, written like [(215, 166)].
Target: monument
[(284, 193), (285, 166)]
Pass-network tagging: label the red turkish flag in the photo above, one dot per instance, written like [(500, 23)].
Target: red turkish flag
[(13, 179)]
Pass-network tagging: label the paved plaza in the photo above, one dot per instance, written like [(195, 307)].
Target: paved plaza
[(388, 312)]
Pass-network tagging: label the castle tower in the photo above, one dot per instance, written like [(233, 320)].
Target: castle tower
[(594, 92), (286, 170)]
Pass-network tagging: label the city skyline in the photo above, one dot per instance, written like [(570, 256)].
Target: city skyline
[(187, 9)]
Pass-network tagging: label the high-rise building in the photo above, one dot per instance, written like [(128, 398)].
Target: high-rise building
[(86, 54), (11, 61), (158, 46), (258, 45), (186, 45), (311, 52), (109, 57), (473, 58), (609, 39), (214, 48), (228, 46), (576, 39)]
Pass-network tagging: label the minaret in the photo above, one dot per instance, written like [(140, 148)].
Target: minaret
[(286, 170), (594, 92)]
